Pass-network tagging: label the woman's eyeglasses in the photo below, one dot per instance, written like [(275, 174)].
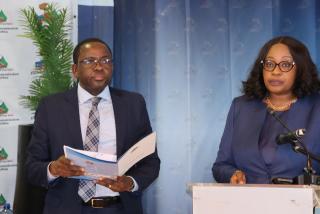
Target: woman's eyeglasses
[(284, 66)]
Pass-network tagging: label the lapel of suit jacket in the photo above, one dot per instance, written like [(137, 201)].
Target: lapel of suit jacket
[(71, 112), (119, 109), (257, 113)]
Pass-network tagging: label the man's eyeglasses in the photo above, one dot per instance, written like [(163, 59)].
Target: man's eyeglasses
[(92, 62), (284, 66)]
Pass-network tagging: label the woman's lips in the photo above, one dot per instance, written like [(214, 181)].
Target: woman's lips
[(275, 82)]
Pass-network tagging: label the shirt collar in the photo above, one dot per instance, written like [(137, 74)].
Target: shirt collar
[(84, 96)]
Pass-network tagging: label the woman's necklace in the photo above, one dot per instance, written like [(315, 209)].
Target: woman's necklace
[(284, 107)]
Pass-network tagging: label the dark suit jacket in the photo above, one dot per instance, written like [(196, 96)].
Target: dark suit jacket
[(57, 123), (239, 144)]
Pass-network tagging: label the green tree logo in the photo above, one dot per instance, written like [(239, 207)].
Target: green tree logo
[(3, 16), (3, 108), (3, 62), (3, 154), (2, 200)]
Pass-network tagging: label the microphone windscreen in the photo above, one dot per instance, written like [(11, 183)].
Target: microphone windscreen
[(281, 139)]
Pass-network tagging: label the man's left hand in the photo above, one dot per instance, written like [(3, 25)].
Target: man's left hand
[(121, 184)]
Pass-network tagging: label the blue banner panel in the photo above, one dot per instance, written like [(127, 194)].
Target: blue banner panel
[(96, 21)]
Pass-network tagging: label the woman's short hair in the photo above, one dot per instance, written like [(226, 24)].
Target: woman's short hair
[(306, 80)]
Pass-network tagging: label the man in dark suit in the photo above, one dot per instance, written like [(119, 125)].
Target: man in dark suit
[(64, 119)]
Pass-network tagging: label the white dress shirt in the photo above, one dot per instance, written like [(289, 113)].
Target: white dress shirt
[(107, 133)]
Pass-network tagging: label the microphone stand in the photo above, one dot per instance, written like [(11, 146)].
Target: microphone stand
[(309, 176), (298, 149)]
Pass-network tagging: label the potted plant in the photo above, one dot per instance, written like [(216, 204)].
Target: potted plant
[(50, 34)]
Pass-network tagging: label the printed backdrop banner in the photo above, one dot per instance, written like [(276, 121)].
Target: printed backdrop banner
[(19, 65)]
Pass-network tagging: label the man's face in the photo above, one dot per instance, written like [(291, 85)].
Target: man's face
[(94, 67)]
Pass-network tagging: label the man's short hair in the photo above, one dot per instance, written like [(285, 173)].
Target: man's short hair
[(76, 51)]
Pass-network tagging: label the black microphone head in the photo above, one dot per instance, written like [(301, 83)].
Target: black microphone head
[(290, 137), (282, 139)]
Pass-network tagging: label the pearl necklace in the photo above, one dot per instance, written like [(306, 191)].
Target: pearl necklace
[(285, 107)]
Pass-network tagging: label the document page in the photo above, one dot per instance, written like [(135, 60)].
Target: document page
[(143, 148), (95, 164), (98, 165)]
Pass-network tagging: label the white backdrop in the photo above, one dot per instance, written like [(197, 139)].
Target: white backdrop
[(18, 58)]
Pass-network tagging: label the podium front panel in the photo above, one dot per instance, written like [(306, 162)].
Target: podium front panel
[(252, 199)]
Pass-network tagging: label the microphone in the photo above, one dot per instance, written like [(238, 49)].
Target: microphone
[(290, 132), (294, 139), (290, 137)]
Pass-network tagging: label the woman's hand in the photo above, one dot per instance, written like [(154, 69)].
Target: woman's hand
[(238, 177)]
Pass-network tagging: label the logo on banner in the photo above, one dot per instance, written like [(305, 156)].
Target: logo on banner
[(3, 154), (38, 67), (2, 200), (3, 62), (3, 17), (5, 71), (5, 160), (7, 117), (3, 108), (5, 26), (42, 18)]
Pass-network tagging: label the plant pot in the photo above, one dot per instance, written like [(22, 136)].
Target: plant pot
[(27, 198)]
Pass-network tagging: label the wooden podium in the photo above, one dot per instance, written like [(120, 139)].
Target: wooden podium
[(208, 198)]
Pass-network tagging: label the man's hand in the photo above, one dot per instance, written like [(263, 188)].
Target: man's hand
[(238, 177), (121, 184), (63, 167)]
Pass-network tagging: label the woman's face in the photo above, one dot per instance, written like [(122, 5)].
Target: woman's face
[(279, 82)]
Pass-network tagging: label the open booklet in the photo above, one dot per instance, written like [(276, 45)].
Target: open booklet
[(98, 165)]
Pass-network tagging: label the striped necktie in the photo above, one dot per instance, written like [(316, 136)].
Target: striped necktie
[(87, 188)]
